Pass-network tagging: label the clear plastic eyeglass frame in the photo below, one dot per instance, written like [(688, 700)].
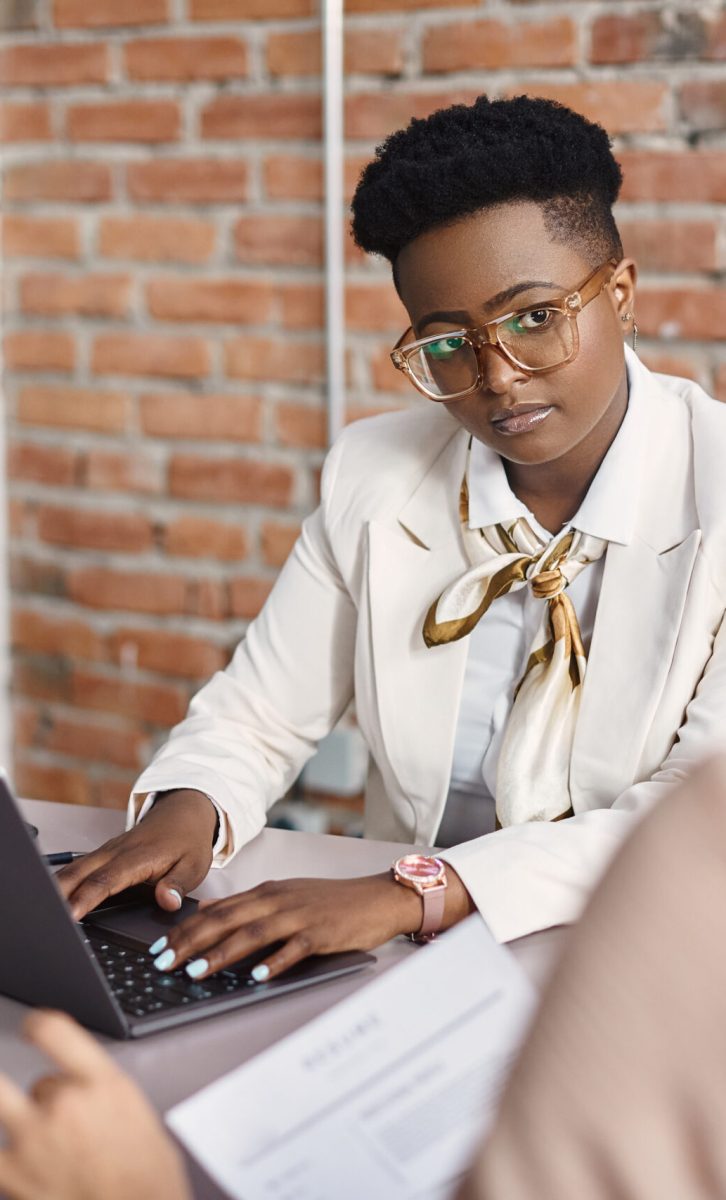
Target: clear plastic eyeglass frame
[(487, 334)]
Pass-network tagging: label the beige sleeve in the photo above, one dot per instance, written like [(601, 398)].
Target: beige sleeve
[(620, 1090)]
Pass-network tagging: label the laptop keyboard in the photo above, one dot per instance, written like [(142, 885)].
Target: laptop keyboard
[(141, 990)]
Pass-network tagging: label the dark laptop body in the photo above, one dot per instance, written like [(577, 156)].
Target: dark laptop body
[(100, 971)]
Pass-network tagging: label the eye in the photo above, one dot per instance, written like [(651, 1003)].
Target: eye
[(445, 347), (536, 318)]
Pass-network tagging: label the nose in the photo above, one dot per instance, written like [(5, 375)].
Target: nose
[(497, 372)]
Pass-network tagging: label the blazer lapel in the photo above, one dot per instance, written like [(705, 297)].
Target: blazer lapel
[(418, 689)]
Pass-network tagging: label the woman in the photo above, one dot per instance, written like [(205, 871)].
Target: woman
[(520, 581)]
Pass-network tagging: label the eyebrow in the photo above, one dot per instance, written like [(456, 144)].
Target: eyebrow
[(458, 315)]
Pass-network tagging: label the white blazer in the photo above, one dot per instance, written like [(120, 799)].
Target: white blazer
[(344, 622)]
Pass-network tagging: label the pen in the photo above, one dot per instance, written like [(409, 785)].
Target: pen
[(62, 857)]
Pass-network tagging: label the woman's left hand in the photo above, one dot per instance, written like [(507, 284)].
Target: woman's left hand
[(309, 916)]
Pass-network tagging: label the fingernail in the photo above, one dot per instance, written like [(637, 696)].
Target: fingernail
[(164, 961), (260, 972), (177, 896), (157, 946), (196, 968)]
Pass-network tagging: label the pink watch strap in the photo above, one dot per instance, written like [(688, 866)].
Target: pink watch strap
[(433, 910)]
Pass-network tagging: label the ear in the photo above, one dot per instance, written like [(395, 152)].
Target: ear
[(622, 289)]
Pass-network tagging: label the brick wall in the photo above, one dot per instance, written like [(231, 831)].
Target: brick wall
[(163, 333)]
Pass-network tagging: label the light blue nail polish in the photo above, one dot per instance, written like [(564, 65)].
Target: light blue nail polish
[(164, 961), (157, 946), (177, 896), (260, 972), (196, 968)]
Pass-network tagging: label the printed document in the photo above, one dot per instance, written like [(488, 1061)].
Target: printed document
[(384, 1095)]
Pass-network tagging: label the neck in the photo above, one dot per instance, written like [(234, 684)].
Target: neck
[(553, 491)]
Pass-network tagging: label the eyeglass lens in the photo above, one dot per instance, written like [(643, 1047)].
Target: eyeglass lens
[(538, 339)]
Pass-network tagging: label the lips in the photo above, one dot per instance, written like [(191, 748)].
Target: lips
[(521, 418)]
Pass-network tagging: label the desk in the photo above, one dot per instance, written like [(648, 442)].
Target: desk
[(170, 1066)]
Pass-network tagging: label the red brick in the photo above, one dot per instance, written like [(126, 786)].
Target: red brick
[(284, 115), (637, 37), (694, 313), (42, 678), (689, 175), (293, 177), (36, 781), (265, 359), (200, 537), (161, 704), (370, 307), (93, 529), (136, 591), (230, 480), (670, 245), (365, 51), (352, 170), (41, 633), (83, 295), (360, 6), (38, 577), (150, 354), (39, 237), (248, 10), (167, 653), (247, 596), (276, 542), (716, 37), (672, 364), (25, 123), (720, 390), (113, 793), (621, 106), (371, 115), (703, 104), (21, 14), (39, 463), (157, 239), (124, 471), (496, 45), (56, 65), (302, 305), (73, 408), (224, 301), (214, 417), (279, 240), (103, 743), (208, 598), (39, 350), (20, 519), (191, 181), (124, 121), (86, 182), (26, 723), (79, 14), (186, 59), (300, 425)]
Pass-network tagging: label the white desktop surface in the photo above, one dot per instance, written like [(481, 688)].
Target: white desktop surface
[(171, 1065)]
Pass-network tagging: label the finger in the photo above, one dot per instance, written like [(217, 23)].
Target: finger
[(105, 875), (300, 946), (14, 1183), (204, 930), (44, 1090), (15, 1107), (72, 1049), (181, 879), (260, 935)]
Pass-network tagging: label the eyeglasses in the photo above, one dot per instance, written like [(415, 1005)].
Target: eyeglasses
[(540, 338)]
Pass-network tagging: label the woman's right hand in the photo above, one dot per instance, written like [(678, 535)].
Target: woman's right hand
[(171, 847)]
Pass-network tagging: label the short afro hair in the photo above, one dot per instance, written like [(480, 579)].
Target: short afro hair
[(466, 158)]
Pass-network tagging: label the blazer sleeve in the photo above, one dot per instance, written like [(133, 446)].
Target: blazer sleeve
[(533, 876), (250, 730)]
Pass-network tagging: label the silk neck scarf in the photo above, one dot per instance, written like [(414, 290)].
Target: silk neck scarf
[(534, 761)]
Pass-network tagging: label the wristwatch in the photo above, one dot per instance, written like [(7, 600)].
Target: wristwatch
[(427, 877)]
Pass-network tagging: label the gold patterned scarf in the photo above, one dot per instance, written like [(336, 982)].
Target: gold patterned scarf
[(534, 761)]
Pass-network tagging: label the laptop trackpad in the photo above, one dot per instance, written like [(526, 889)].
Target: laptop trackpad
[(135, 914)]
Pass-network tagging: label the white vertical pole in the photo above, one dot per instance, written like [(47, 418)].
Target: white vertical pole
[(332, 33)]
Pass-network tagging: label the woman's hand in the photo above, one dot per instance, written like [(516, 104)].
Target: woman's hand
[(171, 847), (309, 916), (86, 1132)]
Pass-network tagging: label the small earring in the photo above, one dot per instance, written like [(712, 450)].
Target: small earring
[(626, 316), (635, 335)]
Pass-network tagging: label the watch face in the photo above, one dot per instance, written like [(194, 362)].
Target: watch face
[(420, 868)]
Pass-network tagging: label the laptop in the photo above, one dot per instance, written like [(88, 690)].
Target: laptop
[(99, 970)]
